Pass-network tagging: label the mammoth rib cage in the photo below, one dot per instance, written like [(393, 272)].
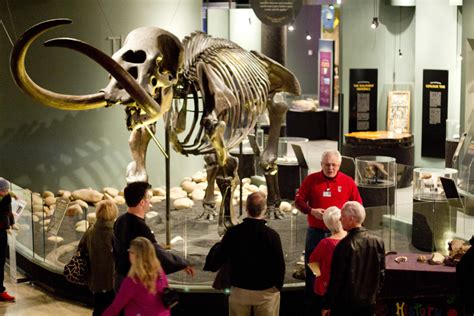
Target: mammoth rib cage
[(247, 78)]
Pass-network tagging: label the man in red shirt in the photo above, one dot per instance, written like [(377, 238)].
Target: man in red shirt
[(321, 190)]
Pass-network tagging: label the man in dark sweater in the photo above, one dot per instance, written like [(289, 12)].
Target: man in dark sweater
[(257, 265), (131, 225)]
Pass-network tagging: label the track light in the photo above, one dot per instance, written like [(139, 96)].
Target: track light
[(308, 36), (375, 23), (400, 53), (291, 27)]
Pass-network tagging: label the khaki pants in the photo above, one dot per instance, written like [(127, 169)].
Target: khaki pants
[(264, 303)]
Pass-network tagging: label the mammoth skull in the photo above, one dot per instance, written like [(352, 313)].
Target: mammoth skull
[(142, 72), (154, 58)]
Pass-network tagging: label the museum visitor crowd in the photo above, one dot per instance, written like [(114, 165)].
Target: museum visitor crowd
[(345, 264)]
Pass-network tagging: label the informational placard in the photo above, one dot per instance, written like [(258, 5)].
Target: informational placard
[(398, 112), (362, 100), (435, 113), (326, 73), (58, 216), (18, 206), (276, 12)]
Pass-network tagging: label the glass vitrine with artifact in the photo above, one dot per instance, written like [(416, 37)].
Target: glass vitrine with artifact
[(434, 221), (376, 179)]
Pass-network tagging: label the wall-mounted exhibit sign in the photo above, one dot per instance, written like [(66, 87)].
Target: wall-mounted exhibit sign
[(435, 113), (398, 112), (326, 73), (276, 12), (362, 100)]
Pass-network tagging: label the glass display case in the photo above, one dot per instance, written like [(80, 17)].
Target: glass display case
[(376, 179), (434, 221), (427, 184)]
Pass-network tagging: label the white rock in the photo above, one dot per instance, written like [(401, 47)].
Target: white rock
[(81, 226), (285, 207), (183, 203), (175, 195), (157, 199), (45, 222), (35, 218), (91, 218), (81, 203), (199, 177), (246, 181), (187, 179), (188, 186), (37, 198), (66, 194), (202, 185), (198, 195), (252, 188), (39, 215), (113, 192), (74, 210), (57, 239), (37, 208), (50, 200), (159, 192), (263, 188), (47, 194), (88, 195), (151, 214), (119, 200)]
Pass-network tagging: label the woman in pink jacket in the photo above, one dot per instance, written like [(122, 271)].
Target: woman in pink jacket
[(140, 292)]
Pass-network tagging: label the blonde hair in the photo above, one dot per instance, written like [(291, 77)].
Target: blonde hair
[(332, 219), (145, 268), (106, 210)]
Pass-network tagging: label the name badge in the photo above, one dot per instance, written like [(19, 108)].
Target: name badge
[(327, 194)]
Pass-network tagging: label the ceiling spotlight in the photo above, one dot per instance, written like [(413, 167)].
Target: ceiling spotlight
[(400, 53), (291, 27), (338, 1), (331, 6), (308, 37), (375, 22)]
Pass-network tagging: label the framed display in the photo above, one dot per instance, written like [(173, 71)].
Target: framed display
[(398, 113)]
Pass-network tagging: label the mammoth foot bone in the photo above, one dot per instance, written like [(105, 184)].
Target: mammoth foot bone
[(209, 213), (274, 212)]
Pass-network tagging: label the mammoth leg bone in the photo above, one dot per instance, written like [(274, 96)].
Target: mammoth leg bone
[(209, 201), (277, 112), (227, 179), (138, 142)]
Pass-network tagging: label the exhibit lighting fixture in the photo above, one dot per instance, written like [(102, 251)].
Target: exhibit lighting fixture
[(331, 6), (375, 19), (291, 27), (400, 53), (308, 36), (375, 23), (338, 1)]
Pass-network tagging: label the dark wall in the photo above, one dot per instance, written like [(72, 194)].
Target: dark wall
[(303, 65)]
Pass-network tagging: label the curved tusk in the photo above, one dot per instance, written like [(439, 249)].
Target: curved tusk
[(42, 95), (141, 97)]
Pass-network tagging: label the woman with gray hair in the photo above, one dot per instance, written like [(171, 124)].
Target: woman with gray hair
[(321, 257)]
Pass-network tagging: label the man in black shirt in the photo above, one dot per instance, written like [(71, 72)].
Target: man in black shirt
[(131, 225), (257, 265)]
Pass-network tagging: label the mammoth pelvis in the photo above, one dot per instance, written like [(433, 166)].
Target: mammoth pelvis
[(152, 69)]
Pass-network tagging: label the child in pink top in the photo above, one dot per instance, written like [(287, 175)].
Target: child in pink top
[(322, 254), (140, 291)]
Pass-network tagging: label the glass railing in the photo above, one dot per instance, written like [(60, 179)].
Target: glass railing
[(411, 226)]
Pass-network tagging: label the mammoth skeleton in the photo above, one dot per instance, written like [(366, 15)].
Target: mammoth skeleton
[(151, 69)]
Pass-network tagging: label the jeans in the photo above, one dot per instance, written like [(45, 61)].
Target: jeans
[(313, 237)]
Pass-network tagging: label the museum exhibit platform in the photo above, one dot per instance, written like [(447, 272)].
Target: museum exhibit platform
[(41, 257)]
